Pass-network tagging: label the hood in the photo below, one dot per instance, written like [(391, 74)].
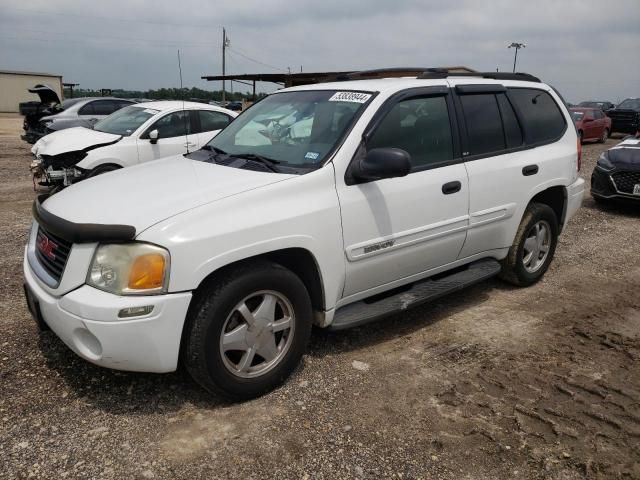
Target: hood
[(146, 194), (72, 140), (626, 155), (47, 94)]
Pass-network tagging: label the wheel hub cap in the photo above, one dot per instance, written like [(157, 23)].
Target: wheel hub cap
[(536, 246), (257, 334)]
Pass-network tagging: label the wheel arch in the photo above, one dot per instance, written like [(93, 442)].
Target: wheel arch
[(556, 198)]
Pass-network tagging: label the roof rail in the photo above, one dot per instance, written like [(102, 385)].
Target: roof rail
[(380, 73), (436, 73)]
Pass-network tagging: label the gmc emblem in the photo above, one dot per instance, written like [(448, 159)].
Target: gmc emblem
[(47, 247)]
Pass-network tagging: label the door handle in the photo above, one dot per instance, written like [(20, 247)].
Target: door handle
[(451, 187), (529, 170)]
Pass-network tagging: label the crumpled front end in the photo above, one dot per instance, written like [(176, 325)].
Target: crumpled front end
[(57, 170)]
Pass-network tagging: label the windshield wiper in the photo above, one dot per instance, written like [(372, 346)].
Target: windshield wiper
[(214, 149), (268, 162)]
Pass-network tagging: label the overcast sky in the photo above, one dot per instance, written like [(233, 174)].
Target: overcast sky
[(588, 49)]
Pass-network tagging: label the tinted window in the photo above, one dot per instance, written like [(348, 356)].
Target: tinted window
[(512, 131), (104, 107), (87, 109), (212, 120), (421, 127), (172, 125), (541, 117), (484, 125)]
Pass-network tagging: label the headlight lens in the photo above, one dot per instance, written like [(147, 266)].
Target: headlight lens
[(130, 269), (604, 163)]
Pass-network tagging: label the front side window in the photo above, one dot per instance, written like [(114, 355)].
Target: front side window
[(125, 121), (419, 126), (173, 125), (542, 119), (298, 129), (484, 124)]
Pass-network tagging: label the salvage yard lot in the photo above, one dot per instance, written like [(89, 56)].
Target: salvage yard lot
[(492, 382)]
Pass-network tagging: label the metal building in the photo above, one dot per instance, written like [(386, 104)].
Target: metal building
[(14, 87)]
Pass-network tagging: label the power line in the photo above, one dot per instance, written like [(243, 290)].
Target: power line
[(235, 50)]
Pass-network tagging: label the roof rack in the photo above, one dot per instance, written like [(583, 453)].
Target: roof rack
[(436, 73)]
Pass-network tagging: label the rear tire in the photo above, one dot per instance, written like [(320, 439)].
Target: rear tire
[(237, 344), (533, 247)]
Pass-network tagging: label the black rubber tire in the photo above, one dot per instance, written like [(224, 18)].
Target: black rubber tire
[(102, 169), (208, 311), (513, 270)]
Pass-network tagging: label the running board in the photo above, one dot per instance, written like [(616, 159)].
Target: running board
[(359, 313)]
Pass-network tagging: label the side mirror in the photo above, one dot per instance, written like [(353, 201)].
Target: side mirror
[(380, 163), (153, 136)]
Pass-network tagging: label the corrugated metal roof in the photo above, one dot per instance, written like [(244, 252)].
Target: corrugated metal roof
[(35, 74)]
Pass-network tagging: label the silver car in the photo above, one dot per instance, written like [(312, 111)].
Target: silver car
[(50, 114)]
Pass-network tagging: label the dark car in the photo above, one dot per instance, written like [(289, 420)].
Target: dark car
[(235, 106), (591, 123), (50, 114), (617, 172), (625, 117), (602, 105)]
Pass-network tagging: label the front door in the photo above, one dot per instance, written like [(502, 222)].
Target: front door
[(174, 137), (398, 228)]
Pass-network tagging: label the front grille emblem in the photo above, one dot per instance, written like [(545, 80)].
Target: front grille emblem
[(47, 247)]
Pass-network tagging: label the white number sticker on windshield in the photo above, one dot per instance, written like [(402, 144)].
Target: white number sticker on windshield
[(355, 97)]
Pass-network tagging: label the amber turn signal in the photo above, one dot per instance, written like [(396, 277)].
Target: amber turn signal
[(147, 272)]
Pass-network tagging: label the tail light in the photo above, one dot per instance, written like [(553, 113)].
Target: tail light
[(579, 153)]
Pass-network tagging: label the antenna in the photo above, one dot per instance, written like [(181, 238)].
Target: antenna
[(184, 117)]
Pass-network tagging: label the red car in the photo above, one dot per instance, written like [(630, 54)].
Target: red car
[(591, 123)]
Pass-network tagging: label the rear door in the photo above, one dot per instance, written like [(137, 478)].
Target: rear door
[(396, 229), (174, 137), (510, 147)]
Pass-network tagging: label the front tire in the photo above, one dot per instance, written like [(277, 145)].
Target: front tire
[(247, 330), (533, 247)]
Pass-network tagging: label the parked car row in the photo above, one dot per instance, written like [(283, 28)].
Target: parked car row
[(625, 117)]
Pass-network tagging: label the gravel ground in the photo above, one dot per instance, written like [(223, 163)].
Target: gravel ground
[(493, 382)]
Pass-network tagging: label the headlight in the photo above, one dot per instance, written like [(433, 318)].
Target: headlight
[(604, 163), (130, 269)]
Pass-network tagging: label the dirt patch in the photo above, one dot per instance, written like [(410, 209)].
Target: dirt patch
[(493, 382)]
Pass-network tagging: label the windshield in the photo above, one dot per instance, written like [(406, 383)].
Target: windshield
[(630, 103), (298, 129), (577, 116), (125, 121)]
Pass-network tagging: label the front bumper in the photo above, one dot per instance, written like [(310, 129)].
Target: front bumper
[(86, 320), (575, 194), (602, 186)]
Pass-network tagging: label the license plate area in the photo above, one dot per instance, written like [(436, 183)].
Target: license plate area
[(636, 189)]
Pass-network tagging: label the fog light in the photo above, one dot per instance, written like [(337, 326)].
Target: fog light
[(135, 311)]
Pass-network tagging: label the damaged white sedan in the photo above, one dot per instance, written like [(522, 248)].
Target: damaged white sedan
[(133, 135)]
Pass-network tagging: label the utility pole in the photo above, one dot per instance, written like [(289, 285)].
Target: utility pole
[(517, 46), (225, 44)]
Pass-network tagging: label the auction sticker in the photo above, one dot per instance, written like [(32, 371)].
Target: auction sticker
[(355, 97)]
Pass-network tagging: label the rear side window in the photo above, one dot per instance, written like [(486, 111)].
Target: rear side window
[(419, 126), (542, 119), (512, 131), (484, 124), (210, 120), (87, 109), (104, 107)]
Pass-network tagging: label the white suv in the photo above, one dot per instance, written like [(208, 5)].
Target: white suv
[(332, 204)]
